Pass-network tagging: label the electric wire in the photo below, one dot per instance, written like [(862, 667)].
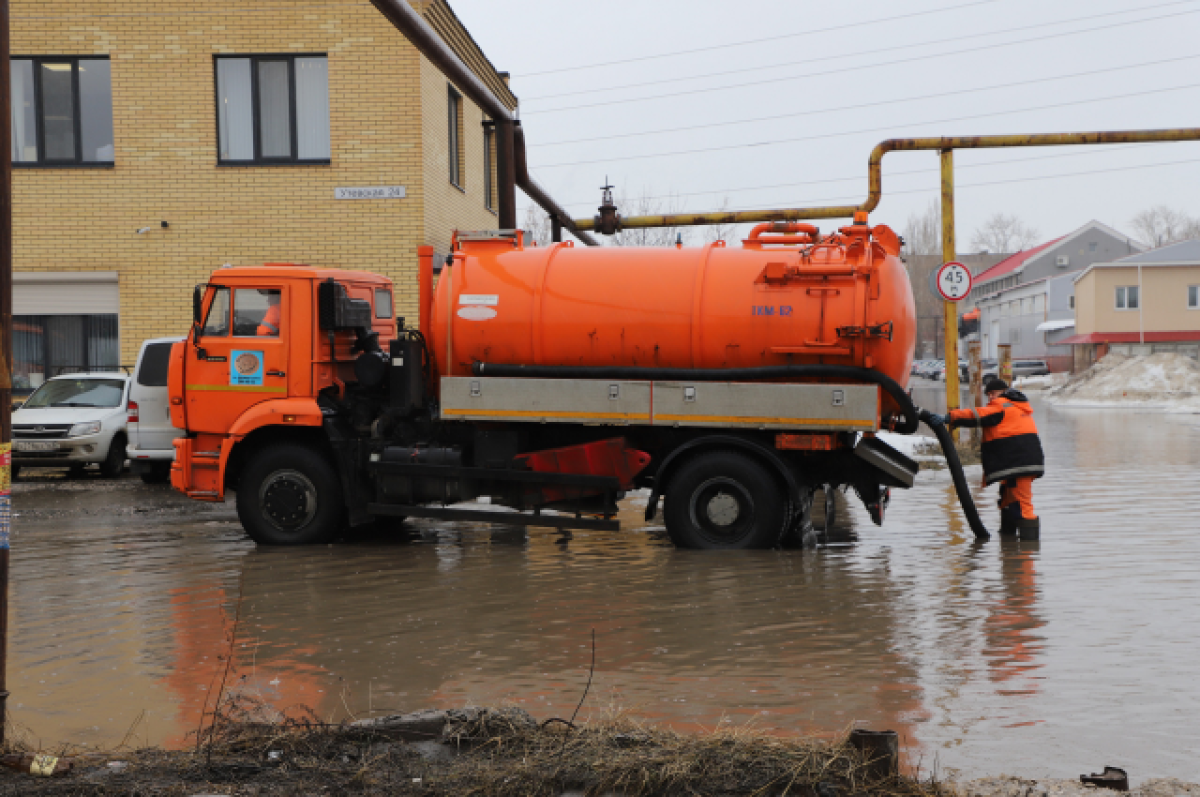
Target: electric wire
[(842, 70), (874, 104), (857, 24), (796, 139), (872, 51)]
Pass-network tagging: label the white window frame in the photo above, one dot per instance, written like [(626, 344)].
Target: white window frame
[(1121, 298)]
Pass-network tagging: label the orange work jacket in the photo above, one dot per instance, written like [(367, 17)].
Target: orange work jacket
[(1011, 446)]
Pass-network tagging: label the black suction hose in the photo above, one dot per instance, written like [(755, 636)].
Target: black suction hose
[(960, 480), (890, 386)]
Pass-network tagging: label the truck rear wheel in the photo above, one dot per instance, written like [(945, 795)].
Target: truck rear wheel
[(725, 501), (289, 495)]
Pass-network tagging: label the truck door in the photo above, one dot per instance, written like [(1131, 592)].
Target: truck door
[(239, 358)]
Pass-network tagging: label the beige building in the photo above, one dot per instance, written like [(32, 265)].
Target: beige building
[(1142, 304), (154, 142)]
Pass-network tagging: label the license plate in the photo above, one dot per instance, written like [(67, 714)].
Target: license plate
[(28, 445)]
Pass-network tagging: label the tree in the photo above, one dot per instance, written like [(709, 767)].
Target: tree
[(923, 232), (1004, 234), (720, 232), (646, 205), (537, 226), (1161, 225)]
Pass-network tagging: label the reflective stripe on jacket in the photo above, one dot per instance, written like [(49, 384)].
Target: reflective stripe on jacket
[(269, 326), (1011, 446)]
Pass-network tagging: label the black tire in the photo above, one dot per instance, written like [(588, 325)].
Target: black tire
[(157, 473), (114, 462), (290, 495), (724, 500)]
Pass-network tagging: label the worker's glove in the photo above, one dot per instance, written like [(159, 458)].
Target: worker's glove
[(944, 420)]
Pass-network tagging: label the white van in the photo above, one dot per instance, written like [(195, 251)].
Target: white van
[(151, 448)]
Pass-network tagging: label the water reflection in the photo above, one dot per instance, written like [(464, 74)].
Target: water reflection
[(1052, 656)]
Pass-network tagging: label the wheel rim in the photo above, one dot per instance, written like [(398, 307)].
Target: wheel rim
[(722, 511), (288, 499)]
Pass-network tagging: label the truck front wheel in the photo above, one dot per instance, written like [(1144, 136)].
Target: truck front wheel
[(289, 495), (725, 501)]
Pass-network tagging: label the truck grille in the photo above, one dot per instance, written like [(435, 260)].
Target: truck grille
[(39, 431)]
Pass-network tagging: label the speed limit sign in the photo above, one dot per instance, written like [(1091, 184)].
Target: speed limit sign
[(953, 282)]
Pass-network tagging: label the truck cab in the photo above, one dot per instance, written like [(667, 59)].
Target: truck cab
[(249, 377)]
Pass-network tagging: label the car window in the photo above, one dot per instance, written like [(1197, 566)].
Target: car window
[(256, 312), (217, 323), (156, 362), (383, 303), (78, 393)]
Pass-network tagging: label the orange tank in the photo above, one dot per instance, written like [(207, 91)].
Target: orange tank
[(779, 299)]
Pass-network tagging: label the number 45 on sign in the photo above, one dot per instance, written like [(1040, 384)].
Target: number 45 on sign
[(954, 282)]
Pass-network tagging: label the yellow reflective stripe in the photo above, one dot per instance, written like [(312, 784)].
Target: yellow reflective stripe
[(614, 416), (238, 388), (750, 419)]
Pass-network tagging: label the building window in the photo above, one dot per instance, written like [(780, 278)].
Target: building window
[(1127, 297), (62, 112), (1193, 297), (455, 136), (1071, 302), (51, 345), (489, 167), (1092, 245), (272, 109)]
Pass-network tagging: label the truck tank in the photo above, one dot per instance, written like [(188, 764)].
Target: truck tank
[(786, 296)]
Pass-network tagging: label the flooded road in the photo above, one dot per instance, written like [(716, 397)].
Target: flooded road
[(1041, 659)]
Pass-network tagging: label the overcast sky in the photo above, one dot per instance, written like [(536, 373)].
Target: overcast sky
[(839, 77)]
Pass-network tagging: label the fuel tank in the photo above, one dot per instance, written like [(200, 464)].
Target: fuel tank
[(787, 295)]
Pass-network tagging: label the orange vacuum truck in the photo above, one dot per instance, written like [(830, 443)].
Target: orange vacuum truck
[(733, 382)]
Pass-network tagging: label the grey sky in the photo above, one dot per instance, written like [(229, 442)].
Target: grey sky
[(907, 71)]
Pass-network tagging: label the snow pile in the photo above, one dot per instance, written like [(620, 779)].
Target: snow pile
[(1166, 381), (1027, 383)]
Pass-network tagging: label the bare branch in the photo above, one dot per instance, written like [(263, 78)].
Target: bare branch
[(1003, 234), (923, 232), (1161, 225)]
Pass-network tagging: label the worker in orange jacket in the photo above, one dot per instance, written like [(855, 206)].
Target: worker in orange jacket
[(1012, 454), (268, 327)]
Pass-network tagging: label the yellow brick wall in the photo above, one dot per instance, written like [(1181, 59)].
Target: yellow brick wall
[(166, 154), (443, 199)]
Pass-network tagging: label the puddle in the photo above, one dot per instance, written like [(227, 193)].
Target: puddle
[(1045, 659)]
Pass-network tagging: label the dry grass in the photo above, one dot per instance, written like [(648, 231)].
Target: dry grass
[(492, 753)]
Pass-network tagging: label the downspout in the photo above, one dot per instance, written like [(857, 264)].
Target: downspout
[(510, 147)]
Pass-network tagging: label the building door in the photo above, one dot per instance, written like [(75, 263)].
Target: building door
[(993, 340), (240, 357)]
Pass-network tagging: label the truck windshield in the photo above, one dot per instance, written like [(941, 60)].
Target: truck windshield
[(77, 393)]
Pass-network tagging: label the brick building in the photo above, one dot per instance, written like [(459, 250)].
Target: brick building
[(154, 142)]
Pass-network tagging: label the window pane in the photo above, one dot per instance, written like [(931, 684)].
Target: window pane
[(274, 110), (235, 114), (1193, 296), (217, 324), (58, 112), (64, 336), (383, 303), (156, 365), (29, 352), (452, 136), (256, 312), (104, 346), (24, 113), (312, 108), (1132, 300), (95, 110)]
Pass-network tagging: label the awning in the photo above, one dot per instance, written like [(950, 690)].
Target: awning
[(971, 316), (1054, 326), (1182, 336)]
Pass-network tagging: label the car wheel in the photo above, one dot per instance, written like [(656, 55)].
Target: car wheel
[(725, 501), (158, 473), (114, 463), (290, 495)]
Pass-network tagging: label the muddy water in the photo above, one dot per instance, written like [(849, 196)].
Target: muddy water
[(1043, 659)]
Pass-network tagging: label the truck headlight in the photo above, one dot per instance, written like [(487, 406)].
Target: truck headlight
[(80, 429)]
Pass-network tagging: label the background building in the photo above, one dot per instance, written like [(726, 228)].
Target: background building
[(1027, 299), (155, 142), (1142, 304)]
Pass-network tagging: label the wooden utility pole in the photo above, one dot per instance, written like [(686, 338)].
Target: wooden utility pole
[(949, 253), (5, 350)]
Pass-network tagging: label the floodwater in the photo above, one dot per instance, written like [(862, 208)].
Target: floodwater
[(1042, 659)]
